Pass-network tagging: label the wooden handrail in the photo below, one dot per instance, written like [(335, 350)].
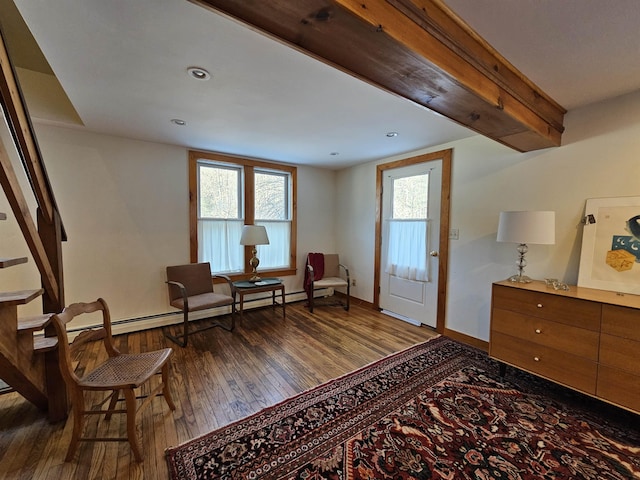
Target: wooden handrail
[(17, 118)]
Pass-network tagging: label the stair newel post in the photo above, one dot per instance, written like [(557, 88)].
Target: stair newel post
[(51, 236)]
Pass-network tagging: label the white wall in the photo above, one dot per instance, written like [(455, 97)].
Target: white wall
[(356, 217), (124, 205), (316, 223), (600, 157)]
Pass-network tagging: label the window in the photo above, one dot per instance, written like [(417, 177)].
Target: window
[(229, 192), (271, 209), (408, 228)]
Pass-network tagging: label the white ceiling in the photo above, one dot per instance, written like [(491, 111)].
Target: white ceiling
[(123, 65), (576, 51)]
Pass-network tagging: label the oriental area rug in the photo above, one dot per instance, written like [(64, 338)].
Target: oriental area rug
[(438, 410)]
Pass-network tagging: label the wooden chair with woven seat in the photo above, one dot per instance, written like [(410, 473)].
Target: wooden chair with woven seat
[(190, 290), (119, 373)]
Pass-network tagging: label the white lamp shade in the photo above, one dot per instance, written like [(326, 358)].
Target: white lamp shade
[(254, 235), (527, 227)]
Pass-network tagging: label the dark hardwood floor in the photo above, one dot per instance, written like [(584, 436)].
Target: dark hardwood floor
[(220, 377)]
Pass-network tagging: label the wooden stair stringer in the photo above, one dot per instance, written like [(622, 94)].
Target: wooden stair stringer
[(22, 367)]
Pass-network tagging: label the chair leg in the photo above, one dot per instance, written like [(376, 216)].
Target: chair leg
[(185, 332), (78, 423), (348, 295), (130, 398), (182, 339), (185, 328), (233, 320), (223, 326), (112, 404), (165, 387)]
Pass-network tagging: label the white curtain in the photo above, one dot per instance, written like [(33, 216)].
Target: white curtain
[(276, 254), (407, 254), (219, 244)]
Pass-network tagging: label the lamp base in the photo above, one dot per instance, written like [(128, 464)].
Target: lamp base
[(519, 279), (254, 262)]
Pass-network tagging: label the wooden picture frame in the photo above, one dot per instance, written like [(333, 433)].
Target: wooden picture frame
[(610, 255)]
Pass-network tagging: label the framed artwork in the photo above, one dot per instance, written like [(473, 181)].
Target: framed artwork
[(610, 255)]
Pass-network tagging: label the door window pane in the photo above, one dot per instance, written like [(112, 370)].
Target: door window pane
[(408, 228), (410, 197), (407, 255)]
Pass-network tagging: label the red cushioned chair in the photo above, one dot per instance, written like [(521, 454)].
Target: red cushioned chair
[(326, 271)]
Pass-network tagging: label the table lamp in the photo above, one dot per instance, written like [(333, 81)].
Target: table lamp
[(254, 235), (524, 227)]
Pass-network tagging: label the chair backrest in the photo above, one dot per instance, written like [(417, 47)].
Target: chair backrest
[(60, 322), (196, 278), (331, 268)]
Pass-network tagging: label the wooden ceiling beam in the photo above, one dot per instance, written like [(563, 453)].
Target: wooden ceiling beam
[(419, 50)]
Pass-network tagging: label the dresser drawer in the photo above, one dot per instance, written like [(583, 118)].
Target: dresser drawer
[(619, 387), (621, 321), (556, 307), (576, 341), (576, 372), (620, 353)]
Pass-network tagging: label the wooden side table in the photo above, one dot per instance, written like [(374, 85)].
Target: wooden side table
[(244, 287)]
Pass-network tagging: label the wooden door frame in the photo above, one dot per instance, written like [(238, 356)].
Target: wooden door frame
[(445, 209)]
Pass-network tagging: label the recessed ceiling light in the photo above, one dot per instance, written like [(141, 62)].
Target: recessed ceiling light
[(392, 134), (178, 121), (199, 73), (334, 153)]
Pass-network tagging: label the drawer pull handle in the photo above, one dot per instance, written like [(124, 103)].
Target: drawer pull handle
[(538, 330), (539, 305), (537, 359)]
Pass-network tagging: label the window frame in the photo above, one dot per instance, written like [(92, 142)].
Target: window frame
[(248, 165)]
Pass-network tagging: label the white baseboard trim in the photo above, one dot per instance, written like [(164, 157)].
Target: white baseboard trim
[(137, 324)]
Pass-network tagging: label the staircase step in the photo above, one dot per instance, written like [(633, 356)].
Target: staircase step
[(19, 298), (44, 344), (35, 323), (9, 262), (5, 387)]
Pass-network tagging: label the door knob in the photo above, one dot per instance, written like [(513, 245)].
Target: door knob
[(433, 253)]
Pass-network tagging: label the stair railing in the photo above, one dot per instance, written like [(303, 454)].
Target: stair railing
[(45, 237)]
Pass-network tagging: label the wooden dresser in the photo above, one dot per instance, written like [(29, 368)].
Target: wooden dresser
[(585, 339)]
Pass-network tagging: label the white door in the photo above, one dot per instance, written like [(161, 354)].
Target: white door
[(410, 241)]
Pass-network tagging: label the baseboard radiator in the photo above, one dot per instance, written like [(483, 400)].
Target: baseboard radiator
[(170, 318)]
